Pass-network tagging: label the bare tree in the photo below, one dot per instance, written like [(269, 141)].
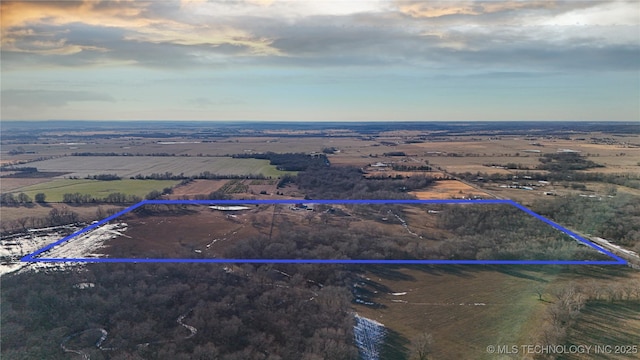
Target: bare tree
[(539, 289), (22, 222), (421, 346), (309, 216)]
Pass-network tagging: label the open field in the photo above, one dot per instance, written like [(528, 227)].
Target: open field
[(464, 309), (127, 166), (197, 187), (454, 154), (449, 189), (603, 323), (219, 146), (9, 184), (54, 190), (86, 212)]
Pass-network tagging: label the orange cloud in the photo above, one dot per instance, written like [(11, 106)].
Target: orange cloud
[(433, 9), (17, 17)]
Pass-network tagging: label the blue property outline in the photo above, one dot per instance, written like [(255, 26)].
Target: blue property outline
[(618, 261)]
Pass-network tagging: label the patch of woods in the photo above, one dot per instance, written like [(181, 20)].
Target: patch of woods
[(349, 183), (103, 177), (289, 161), (476, 232), (239, 312), (404, 167), (554, 162), (560, 162), (502, 232), (616, 219)]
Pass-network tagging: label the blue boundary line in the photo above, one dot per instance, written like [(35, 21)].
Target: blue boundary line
[(618, 261)]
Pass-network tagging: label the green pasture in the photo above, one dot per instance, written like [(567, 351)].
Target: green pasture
[(128, 166), (55, 189)]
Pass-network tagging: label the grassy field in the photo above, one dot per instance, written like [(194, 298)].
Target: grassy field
[(613, 324), (54, 190), (127, 166), (467, 308), (464, 309)]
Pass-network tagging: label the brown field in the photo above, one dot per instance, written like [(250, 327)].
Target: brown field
[(205, 230), (449, 189), (181, 233), (205, 187), (10, 184), (184, 146), (196, 187), (86, 212)]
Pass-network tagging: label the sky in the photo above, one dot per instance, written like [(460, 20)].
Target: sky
[(304, 60)]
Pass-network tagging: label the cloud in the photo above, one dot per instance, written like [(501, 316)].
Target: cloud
[(435, 9), (437, 35), (21, 99), (139, 23)]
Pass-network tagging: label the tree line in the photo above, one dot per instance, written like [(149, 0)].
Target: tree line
[(289, 161), (113, 198), (204, 175), (21, 199)]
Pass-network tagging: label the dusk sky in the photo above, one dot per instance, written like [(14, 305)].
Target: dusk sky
[(321, 60)]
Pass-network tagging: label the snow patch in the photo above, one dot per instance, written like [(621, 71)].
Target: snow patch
[(87, 244), (619, 248), (13, 248)]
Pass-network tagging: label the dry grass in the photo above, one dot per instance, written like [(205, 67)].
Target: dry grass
[(86, 212), (178, 235), (197, 187), (10, 184), (464, 309), (448, 189)]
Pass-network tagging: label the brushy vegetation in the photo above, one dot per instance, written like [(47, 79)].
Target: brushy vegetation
[(616, 218), (244, 312), (349, 183)]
